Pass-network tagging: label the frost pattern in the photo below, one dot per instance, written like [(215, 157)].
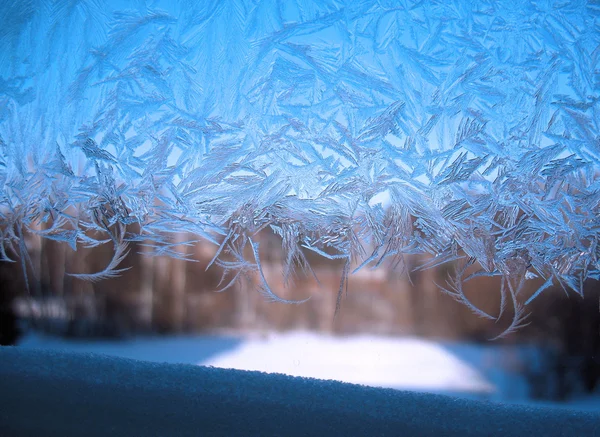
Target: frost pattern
[(360, 130)]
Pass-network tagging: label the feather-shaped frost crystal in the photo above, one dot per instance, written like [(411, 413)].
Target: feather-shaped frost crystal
[(472, 126)]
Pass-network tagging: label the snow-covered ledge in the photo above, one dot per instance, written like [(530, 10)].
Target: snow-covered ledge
[(46, 393)]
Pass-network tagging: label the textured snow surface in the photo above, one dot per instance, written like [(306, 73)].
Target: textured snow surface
[(359, 130), (59, 394), (401, 363)]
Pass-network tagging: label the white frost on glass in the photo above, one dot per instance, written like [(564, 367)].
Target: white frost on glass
[(474, 124)]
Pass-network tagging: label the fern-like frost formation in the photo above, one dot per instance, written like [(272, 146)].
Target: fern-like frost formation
[(363, 131)]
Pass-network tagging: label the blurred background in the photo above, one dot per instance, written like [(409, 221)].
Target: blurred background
[(392, 330)]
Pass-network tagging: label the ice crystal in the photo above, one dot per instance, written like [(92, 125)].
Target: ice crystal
[(359, 130)]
